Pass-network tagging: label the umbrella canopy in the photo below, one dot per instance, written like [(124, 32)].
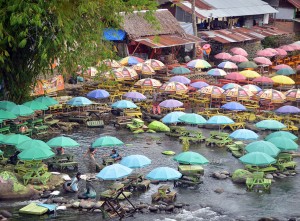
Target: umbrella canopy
[(98, 94), (281, 52), (262, 60), (263, 79), (285, 71), (230, 86), (281, 79), (110, 63), (287, 109), (123, 104), (247, 64), (271, 94), (239, 51), (135, 95), (180, 79), (244, 134), (62, 141), (48, 101), (190, 157), (238, 92), (223, 56), (235, 76), (238, 58), (287, 48), (32, 144), (283, 143), (272, 50), (264, 147), (6, 115), (180, 70), (281, 66), (253, 88), (285, 134), (15, 139), (199, 84), (36, 105), (7, 105), (36, 153), (131, 60), (148, 82), (219, 119), (192, 118), (155, 64), (127, 73), (107, 141), (172, 117), (257, 159), (270, 124), (293, 94), (250, 74), (213, 91), (198, 63), (135, 161), (171, 103), (2, 137), (295, 46), (144, 68), (266, 53), (114, 172), (234, 106), (21, 110), (298, 67), (79, 101), (227, 65), (163, 174), (216, 72)]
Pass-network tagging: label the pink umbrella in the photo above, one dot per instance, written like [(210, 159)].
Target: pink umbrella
[(272, 50), (295, 46), (239, 51), (281, 66), (238, 58), (298, 67), (223, 56), (287, 48), (262, 60), (206, 46), (263, 80), (265, 53), (281, 52), (235, 76)]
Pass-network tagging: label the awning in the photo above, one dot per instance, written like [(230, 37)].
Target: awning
[(111, 34), (165, 41), (295, 3)]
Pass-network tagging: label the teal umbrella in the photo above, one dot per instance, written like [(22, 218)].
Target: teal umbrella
[(247, 64), (36, 153), (21, 110), (257, 159), (62, 141), (48, 101), (36, 105), (192, 118), (219, 119), (172, 117), (283, 143), (190, 157), (107, 141), (79, 101), (32, 143), (6, 115), (1, 152), (2, 136), (15, 139), (180, 70), (243, 134), (285, 134), (164, 174), (7, 105), (264, 147), (114, 172), (122, 104), (270, 124)]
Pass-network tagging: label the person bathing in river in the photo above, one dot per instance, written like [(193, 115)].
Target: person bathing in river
[(91, 151), (72, 186)]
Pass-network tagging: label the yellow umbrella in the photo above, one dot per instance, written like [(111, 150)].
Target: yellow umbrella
[(250, 74), (281, 79)]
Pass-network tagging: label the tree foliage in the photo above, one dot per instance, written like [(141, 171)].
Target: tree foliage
[(35, 32)]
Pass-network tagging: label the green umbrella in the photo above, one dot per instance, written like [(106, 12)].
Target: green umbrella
[(285, 134), (283, 143), (62, 142), (7, 105), (190, 157), (35, 153), (21, 110), (264, 147), (107, 141), (48, 101), (2, 136), (15, 139), (270, 124), (192, 118), (257, 159), (6, 115), (32, 143), (36, 105), (247, 64)]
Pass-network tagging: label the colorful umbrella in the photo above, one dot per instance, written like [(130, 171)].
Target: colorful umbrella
[(270, 124), (114, 172), (15, 139), (235, 76), (234, 106), (171, 87), (257, 159), (293, 94), (127, 73), (198, 63), (123, 104), (295, 46), (263, 147), (271, 50), (144, 69), (111, 63), (262, 60), (283, 143), (238, 58), (281, 79), (21, 110), (6, 115), (79, 101), (247, 64), (244, 134), (250, 74), (107, 141), (287, 109), (216, 72), (230, 86), (227, 65), (180, 70), (49, 101), (35, 153), (271, 94), (98, 94), (285, 134), (239, 51), (280, 66), (190, 157), (135, 95), (281, 52), (213, 91), (263, 79), (180, 79), (155, 64), (36, 105), (238, 92), (148, 82), (287, 48), (131, 60), (285, 71), (199, 84), (92, 71), (223, 56), (192, 118), (266, 53), (253, 88), (171, 103), (114, 74), (62, 141), (7, 105), (219, 119), (163, 174), (135, 161), (172, 117), (32, 144)]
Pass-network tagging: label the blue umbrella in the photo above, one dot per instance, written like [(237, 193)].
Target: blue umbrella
[(287, 109), (244, 134), (230, 86), (270, 124), (199, 84), (122, 104), (98, 94), (135, 161), (135, 95), (114, 172), (172, 117), (285, 71), (181, 79), (163, 174), (234, 106), (79, 101), (219, 119)]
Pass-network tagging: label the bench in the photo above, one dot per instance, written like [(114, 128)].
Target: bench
[(43, 178), (38, 130), (65, 165), (48, 120), (5, 130), (286, 165)]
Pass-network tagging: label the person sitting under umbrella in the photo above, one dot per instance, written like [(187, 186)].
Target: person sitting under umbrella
[(60, 151), (115, 155)]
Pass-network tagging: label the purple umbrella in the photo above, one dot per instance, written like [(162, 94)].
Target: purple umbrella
[(171, 103), (180, 79), (199, 84), (135, 95), (287, 109)]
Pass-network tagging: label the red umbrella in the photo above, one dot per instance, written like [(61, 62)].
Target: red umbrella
[(281, 66), (223, 56), (265, 53), (295, 46), (263, 80), (239, 51), (287, 48), (262, 60), (235, 76), (238, 58), (281, 52)]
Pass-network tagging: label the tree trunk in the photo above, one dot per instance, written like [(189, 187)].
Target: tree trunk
[(194, 22)]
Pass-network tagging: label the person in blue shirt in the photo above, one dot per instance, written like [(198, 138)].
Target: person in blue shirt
[(72, 186), (115, 155)]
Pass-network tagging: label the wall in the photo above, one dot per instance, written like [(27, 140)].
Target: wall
[(287, 26)]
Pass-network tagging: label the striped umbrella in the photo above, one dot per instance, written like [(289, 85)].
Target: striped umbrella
[(115, 74), (216, 72), (271, 94), (293, 95), (144, 68), (198, 63), (155, 64), (253, 88), (238, 92), (128, 73), (131, 60), (213, 91), (110, 63), (148, 82), (170, 87), (227, 65)]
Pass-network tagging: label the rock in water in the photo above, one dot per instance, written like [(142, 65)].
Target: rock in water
[(240, 176), (219, 190), (269, 176), (5, 213)]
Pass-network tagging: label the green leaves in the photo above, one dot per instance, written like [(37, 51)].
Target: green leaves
[(22, 43)]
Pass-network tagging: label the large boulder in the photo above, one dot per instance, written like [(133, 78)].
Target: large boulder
[(158, 126), (240, 176)]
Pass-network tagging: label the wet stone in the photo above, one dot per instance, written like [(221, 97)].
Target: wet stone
[(219, 190), (153, 209), (269, 176), (170, 208), (5, 213)]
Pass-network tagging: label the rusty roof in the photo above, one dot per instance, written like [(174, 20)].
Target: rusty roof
[(295, 3)]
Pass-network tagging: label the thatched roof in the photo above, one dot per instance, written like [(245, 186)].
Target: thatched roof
[(137, 26)]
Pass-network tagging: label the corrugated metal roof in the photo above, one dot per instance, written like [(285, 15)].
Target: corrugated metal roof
[(296, 3)]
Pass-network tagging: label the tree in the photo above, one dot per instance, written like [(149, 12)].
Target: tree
[(35, 32)]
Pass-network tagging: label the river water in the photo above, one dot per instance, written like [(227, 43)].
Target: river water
[(235, 203)]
